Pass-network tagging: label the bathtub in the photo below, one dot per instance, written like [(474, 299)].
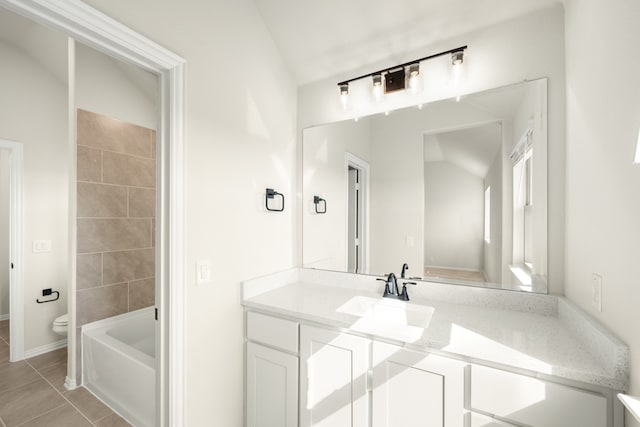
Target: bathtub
[(119, 364)]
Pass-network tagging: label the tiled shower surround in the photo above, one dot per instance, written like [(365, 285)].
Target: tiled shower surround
[(116, 217)]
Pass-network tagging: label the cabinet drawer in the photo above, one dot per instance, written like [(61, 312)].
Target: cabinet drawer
[(272, 331), (534, 402)]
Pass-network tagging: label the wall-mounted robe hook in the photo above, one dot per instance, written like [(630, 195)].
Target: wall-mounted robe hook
[(316, 201), (271, 194), (46, 293)]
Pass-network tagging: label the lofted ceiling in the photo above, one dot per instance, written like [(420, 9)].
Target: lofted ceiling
[(472, 149), (320, 39)]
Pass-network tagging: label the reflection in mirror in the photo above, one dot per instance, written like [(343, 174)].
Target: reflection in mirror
[(455, 189)]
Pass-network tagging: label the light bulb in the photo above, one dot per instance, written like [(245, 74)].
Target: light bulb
[(386, 113), (419, 106), (414, 73), (344, 94), (377, 86)]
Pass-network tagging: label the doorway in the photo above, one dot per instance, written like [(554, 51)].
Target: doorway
[(11, 289), (357, 194)]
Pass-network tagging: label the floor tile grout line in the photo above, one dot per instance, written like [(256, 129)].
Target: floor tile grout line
[(39, 415), (63, 396), (25, 384)]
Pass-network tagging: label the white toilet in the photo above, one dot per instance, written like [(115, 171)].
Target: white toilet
[(60, 325)]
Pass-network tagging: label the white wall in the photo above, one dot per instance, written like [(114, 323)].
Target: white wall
[(107, 86), (241, 109), (33, 111), (4, 233), (453, 217), (325, 175), (603, 206), (524, 48), (492, 256)]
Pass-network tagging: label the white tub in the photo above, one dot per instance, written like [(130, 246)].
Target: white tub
[(119, 364)]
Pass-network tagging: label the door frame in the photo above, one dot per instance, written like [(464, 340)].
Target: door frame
[(16, 249), (97, 30), (351, 160)]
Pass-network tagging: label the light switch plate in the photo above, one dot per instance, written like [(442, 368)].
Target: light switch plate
[(203, 272), (41, 246), (596, 291)]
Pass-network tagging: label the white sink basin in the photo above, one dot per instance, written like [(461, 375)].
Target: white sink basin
[(388, 317)]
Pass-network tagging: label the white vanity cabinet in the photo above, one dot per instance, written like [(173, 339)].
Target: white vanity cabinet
[(415, 389), (530, 401), (351, 381), (271, 372), (333, 379)]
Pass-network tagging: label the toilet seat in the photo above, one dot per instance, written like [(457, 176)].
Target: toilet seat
[(62, 320)]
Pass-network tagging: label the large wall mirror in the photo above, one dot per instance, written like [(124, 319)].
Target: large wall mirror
[(456, 189)]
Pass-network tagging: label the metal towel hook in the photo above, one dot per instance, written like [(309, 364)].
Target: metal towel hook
[(316, 201), (271, 194)]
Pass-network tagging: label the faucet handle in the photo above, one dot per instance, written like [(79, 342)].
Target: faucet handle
[(409, 283)]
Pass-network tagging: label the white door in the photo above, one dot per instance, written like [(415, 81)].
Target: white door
[(272, 387), (416, 389), (333, 385)]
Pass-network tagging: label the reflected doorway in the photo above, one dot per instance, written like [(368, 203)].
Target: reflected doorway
[(357, 171)]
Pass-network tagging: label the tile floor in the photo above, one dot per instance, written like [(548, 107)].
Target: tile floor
[(32, 393)]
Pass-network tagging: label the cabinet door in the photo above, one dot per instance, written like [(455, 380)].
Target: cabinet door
[(272, 387), (416, 389), (333, 379)]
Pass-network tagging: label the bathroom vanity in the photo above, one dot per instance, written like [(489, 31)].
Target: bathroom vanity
[(325, 349)]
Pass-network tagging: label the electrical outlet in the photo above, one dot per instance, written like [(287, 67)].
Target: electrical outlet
[(596, 291), (411, 241)]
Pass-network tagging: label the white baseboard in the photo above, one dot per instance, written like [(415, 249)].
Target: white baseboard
[(70, 384), (4, 317), (45, 349)]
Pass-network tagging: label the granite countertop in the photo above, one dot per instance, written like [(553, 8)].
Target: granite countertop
[(541, 340)]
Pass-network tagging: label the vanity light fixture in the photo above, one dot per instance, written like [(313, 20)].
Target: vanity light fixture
[(395, 78), (457, 57), (414, 73), (344, 94), (377, 85)]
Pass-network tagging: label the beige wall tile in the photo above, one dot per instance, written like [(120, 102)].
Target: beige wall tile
[(101, 201), (89, 161), (96, 130), (100, 235), (102, 302), (142, 202), (88, 270), (124, 266), (141, 294), (123, 169)]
